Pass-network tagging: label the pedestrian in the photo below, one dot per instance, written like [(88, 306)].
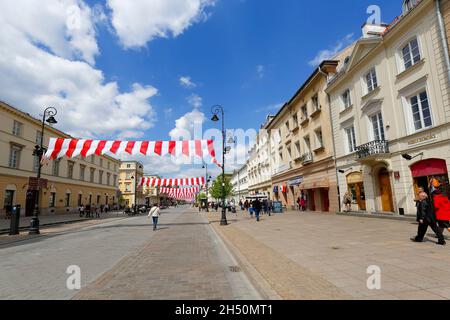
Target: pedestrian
[(303, 204), (348, 201), (266, 206), (97, 212), (427, 218), (270, 207), (441, 204), (251, 210), (154, 213), (256, 204), (81, 210), (299, 204)]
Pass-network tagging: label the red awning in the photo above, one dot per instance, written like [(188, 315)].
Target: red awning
[(429, 167)]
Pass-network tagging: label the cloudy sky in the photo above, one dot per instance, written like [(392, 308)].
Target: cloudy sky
[(150, 69)]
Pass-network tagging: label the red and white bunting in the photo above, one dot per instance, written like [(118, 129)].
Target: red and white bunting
[(180, 191), (156, 182), (71, 148)]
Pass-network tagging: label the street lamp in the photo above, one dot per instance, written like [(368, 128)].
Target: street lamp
[(409, 157), (49, 117), (215, 110), (205, 166)]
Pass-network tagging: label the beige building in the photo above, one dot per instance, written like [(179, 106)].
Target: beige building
[(391, 111), (151, 194), (71, 182), (130, 175), (302, 149)]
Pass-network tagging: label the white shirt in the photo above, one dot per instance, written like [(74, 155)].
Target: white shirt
[(154, 212)]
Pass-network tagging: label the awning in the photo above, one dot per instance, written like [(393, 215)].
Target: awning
[(429, 167)]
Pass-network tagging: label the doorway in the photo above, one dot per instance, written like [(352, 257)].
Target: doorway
[(384, 182), (325, 200), (355, 186), (30, 203)]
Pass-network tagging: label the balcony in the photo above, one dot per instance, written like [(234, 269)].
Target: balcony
[(372, 149), (304, 121), (306, 158), (316, 112)]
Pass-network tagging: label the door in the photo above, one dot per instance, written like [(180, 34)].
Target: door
[(311, 201), (361, 196), (325, 200), (385, 190), (30, 203)]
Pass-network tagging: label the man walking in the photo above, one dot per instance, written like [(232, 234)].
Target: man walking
[(154, 213), (257, 208), (427, 218)]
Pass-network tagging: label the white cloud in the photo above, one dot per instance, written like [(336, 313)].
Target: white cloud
[(188, 125), (260, 70), (38, 46), (138, 22), (187, 82), (328, 54), (273, 108), (168, 112), (195, 100)]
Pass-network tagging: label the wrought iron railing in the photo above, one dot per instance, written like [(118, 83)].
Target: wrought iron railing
[(372, 149), (306, 158)]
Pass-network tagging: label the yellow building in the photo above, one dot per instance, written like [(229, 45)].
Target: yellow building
[(130, 175), (302, 148), (70, 182), (151, 194)]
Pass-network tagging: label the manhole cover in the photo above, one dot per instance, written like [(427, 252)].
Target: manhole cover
[(335, 248), (235, 269)]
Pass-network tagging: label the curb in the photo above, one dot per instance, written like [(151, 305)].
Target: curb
[(255, 278), (377, 216)]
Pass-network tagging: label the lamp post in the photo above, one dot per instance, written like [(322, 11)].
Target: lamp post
[(215, 111), (205, 166), (39, 151)]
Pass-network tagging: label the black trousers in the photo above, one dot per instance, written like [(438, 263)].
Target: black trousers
[(423, 227)]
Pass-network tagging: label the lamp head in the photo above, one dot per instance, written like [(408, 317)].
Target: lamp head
[(407, 157), (51, 120), (215, 118)]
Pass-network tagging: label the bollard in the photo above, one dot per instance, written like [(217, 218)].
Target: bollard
[(15, 220)]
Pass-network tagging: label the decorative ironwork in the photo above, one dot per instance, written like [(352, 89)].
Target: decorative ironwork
[(372, 149), (306, 158)]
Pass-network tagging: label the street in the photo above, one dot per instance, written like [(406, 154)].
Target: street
[(135, 262)]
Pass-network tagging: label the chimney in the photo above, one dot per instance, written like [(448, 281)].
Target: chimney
[(373, 30)]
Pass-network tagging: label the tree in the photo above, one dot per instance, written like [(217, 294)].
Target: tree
[(216, 189)]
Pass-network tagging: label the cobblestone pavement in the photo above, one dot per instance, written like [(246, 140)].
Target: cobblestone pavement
[(36, 268), (325, 256), (184, 260)]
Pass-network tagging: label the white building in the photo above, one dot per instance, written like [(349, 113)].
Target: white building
[(390, 103), (239, 180)]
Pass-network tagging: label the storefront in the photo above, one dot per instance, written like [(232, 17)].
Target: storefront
[(424, 170), (355, 185)]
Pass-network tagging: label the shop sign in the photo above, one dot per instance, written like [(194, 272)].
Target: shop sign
[(422, 139), (296, 182)]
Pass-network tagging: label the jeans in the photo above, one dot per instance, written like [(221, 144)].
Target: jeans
[(155, 222), (257, 215)]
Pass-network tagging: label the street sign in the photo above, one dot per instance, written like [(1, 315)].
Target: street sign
[(33, 183)]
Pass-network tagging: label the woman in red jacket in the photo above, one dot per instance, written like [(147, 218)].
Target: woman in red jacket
[(442, 209)]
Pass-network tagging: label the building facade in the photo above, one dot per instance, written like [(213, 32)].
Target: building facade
[(130, 175), (239, 180), (391, 112), (259, 164), (302, 149), (70, 182), (151, 194)]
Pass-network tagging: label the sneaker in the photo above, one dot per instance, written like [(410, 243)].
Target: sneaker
[(416, 240), (442, 243)]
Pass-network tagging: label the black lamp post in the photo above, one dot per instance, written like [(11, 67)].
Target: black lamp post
[(39, 150), (215, 111), (205, 166)]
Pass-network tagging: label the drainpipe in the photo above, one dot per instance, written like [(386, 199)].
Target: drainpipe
[(443, 37), (334, 144)]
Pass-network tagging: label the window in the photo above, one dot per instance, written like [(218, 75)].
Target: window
[(80, 200), (377, 127), (408, 5), (307, 144), (14, 156), (297, 148), (346, 99), (9, 199), (114, 180), (281, 155), (91, 178), (109, 165), (100, 176), (70, 166), (17, 128), (36, 163), (411, 54), (38, 137), (421, 112), (289, 152), (101, 162), (52, 200), (315, 102), (319, 138), (92, 159), (128, 175), (55, 169), (288, 129), (127, 187), (351, 139), (295, 119), (371, 80), (98, 199), (128, 165), (82, 172), (67, 200), (304, 112), (108, 178)]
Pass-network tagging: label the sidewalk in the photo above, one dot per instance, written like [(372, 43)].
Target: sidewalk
[(47, 220), (309, 256)]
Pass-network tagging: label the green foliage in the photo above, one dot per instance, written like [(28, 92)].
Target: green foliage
[(201, 195), (217, 190)]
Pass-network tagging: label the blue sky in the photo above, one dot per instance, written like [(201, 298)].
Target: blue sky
[(116, 70)]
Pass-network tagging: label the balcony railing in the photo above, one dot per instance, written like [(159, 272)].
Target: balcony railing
[(373, 148), (306, 158)]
